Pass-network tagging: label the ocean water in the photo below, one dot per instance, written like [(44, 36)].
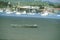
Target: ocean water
[(47, 28)]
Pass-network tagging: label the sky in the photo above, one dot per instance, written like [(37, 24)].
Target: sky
[(58, 1), (54, 1)]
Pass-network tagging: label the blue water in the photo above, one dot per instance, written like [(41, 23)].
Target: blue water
[(53, 16)]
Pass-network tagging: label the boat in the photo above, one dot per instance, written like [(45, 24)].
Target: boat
[(24, 26)]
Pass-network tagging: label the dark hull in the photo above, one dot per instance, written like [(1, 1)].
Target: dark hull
[(47, 29)]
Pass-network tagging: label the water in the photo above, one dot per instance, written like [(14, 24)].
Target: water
[(48, 29)]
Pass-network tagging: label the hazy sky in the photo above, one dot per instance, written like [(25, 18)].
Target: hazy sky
[(50, 0)]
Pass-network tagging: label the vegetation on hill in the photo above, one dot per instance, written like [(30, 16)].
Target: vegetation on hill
[(35, 3), (4, 4)]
